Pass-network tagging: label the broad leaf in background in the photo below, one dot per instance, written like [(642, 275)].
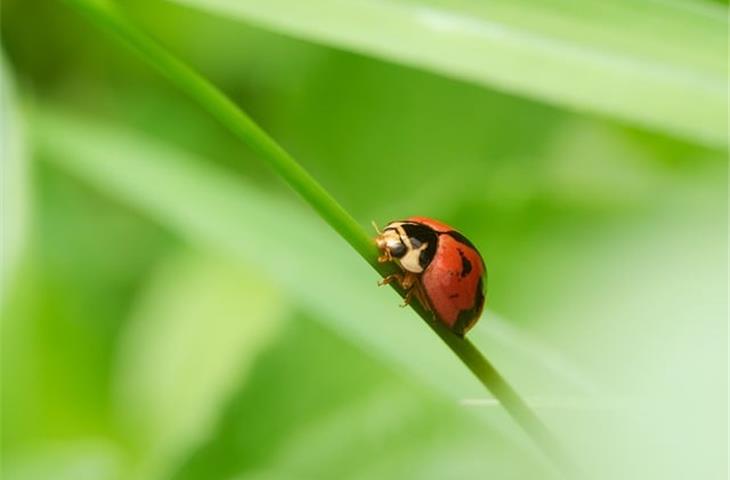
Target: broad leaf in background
[(302, 415), (654, 64), (191, 340), (13, 199), (82, 459), (13, 183)]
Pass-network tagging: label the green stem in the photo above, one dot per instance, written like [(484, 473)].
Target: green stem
[(107, 15)]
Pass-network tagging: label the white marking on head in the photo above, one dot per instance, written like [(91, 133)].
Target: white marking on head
[(410, 261)]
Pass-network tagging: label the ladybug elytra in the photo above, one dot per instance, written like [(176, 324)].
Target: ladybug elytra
[(440, 268)]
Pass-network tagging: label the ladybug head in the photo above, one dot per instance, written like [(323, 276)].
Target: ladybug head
[(390, 243), (411, 245)]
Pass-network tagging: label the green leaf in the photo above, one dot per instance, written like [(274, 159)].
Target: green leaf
[(300, 415), (658, 65), (81, 459), (13, 185), (191, 340)]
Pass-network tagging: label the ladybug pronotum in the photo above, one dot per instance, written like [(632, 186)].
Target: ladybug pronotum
[(440, 268)]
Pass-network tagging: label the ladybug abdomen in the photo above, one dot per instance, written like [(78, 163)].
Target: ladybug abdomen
[(454, 283)]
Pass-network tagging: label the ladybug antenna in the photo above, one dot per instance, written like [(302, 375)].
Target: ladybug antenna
[(375, 226)]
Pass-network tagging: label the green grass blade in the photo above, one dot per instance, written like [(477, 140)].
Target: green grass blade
[(658, 65), (106, 15)]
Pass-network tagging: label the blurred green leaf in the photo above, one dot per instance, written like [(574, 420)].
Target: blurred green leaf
[(301, 415), (191, 339), (400, 435), (64, 312), (81, 459), (654, 64), (13, 182)]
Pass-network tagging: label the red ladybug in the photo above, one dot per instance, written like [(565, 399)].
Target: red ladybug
[(441, 268)]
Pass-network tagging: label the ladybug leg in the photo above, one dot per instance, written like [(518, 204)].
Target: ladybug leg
[(421, 297), (407, 298), (417, 292), (409, 280), (405, 281), (409, 284), (396, 277)]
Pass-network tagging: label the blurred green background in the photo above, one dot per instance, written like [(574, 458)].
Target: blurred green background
[(170, 309)]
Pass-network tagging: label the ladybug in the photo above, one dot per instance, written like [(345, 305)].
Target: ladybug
[(441, 269)]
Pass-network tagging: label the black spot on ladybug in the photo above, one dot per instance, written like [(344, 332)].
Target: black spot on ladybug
[(465, 264), (467, 318), (479, 301), (420, 234), (454, 295), (464, 241)]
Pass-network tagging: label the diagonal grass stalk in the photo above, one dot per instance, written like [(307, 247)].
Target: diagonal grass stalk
[(107, 15)]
